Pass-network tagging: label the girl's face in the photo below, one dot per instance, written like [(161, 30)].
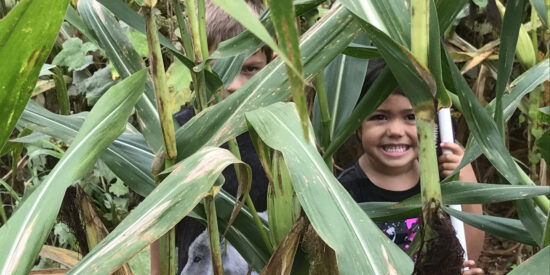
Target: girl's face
[(388, 135)]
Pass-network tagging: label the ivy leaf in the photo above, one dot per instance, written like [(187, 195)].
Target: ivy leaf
[(74, 54), (118, 188), (139, 41), (64, 235)]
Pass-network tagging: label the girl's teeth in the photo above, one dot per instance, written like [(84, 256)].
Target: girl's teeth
[(400, 148)]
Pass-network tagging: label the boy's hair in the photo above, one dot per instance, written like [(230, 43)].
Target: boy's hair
[(220, 26)]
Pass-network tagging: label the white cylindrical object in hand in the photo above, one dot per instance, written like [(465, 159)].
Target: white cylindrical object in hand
[(445, 127), (446, 134)]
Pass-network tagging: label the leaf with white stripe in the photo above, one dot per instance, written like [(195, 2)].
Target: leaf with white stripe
[(23, 235)]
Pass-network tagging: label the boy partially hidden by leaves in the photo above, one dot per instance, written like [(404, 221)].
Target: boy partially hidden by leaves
[(220, 27)]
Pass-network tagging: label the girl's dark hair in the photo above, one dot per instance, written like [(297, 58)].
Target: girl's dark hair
[(374, 69)]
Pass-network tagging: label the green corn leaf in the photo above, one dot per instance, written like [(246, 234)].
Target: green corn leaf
[(26, 38), (74, 19), (533, 221), (188, 182), (27, 229), (508, 40), (509, 229), (533, 265), (126, 60), (225, 120), (390, 17), (361, 248), (128, 156), (343, 85), (541, 8), (522, 85), (447, 12), (457, 192)]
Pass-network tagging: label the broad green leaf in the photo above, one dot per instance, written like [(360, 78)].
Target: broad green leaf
[(400, 60), (434, 56), (508, 40), (74, 54), (361, 248), (531, 219), (27, 229), (390, 17), (522, 85), (26, 38), (74, 19), (457, 192), (447, 11), (128, 156), (188, 182), (225, 120), (509, 229), (541, 8), (343, 85), (484, 129), (534, 265), (126, 60)]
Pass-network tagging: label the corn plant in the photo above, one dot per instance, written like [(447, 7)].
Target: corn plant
[(178, 171)]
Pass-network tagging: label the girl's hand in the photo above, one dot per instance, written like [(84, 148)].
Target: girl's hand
[(449, 162), (473, 270)]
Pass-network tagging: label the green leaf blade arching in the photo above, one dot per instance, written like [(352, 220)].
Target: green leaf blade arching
[(189, 182), (26, 38), (361, 248), (225, 120), (22, 236)]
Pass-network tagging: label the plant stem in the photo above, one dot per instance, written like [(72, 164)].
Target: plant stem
[(420, 30), (202, 29), (323, 107), (234, 148), (214, 235), (61, 91), (185, 38), (164, 99), (200, 86)]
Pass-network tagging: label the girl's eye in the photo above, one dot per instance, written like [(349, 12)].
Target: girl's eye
[(410, 117), (377, 117)]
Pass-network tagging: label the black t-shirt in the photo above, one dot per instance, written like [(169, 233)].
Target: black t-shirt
[(361, 189)]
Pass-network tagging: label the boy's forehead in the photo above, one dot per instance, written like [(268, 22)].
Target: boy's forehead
[(258, 56)]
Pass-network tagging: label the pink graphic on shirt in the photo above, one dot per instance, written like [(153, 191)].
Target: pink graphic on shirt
[(412, 225)]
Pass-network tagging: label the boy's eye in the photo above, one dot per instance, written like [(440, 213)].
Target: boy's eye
[(250, 70), (377, 117), (410, 117)]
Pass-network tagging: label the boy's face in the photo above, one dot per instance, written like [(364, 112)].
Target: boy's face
[(251, 66), (388, 135)]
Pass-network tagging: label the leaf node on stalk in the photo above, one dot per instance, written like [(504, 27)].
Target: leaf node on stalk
[(440, 251)]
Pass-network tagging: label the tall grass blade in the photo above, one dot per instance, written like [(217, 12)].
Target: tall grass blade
[(26, 38)]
